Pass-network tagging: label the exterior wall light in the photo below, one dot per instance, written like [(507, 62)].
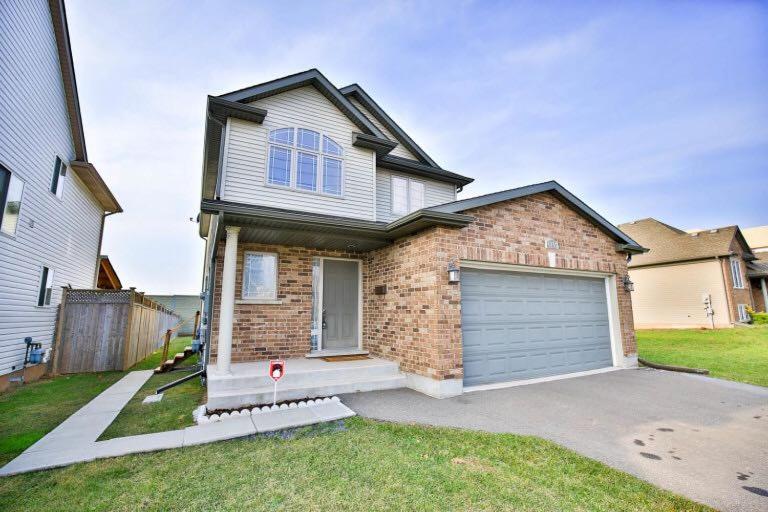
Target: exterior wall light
[(628, 284), (453, 273)]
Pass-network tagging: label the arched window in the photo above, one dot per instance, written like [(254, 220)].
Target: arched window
[(318, 168)]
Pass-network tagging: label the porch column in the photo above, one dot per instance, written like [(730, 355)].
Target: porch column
[(765, 293), (227, 305)]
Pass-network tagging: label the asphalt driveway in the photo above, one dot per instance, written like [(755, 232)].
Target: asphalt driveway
[(704, 438)]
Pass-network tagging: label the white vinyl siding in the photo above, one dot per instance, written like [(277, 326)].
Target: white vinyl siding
[(399, 149), (245, 159), (738, 281), (435, 192), (34, 129)]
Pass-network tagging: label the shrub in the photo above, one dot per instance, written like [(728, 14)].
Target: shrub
[(758, 318)]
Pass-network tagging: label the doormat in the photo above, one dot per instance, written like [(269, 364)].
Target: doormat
[(336, 359)]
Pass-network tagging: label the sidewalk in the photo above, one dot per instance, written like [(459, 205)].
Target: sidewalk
[(74, 440)]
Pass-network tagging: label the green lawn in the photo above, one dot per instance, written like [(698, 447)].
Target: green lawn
[(30, 411), (739, 354), (367, 466), (173, 412)]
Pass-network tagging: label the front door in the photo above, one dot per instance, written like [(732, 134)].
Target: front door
[(340, 304)]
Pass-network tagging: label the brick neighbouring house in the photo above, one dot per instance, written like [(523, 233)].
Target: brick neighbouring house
[(329, 231)]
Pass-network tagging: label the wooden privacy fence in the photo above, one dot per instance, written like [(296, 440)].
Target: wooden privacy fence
[(101, 330)]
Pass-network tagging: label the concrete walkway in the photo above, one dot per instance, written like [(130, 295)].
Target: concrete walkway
[(74, 440), (700, 437)]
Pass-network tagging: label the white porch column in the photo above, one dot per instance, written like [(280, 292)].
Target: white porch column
[(227, 305), (765, 293)]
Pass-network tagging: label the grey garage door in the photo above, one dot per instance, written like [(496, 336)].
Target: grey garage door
[(521, 326)]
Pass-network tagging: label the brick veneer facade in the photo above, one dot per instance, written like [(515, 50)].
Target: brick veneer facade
[(418, 321), (736, 296), (264, 331)]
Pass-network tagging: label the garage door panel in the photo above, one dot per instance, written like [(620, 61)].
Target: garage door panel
[(520, 326)]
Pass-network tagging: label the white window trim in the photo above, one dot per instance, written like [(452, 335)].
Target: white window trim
[(52, 274), (736, 277), (408, 181), (60, 184), (21, 201), (293, 170), (245, 299), (742, 310)]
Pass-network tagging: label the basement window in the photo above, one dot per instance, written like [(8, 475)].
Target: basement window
[(743, 315)]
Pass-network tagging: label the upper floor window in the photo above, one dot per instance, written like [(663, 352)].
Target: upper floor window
[(297, 159), (738, 282), (59, 174), (407, 195), (11, 189)]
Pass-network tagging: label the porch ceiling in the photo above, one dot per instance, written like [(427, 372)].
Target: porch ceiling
[(287, 227)]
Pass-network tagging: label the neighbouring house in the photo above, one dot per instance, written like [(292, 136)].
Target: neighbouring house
[(53, 202), (107, 278), (757, 270), (186, 306), (329, 231), (689, 279)]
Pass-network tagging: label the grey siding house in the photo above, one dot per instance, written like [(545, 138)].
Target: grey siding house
[(52, 200)]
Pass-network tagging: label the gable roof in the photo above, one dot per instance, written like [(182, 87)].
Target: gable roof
[(626, 243), (108, 278), (310, 77), (234, 104), (357, 92), (668, 244), (84, 170)]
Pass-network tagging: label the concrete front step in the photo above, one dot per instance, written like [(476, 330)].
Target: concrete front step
[(255, 396), (300, 373), (248, 383)]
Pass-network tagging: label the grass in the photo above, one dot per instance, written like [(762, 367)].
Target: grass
[(30, 411), (173, 412), (739, 354), (368, 465)]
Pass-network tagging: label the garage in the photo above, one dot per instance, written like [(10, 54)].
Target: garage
[(519, 325)]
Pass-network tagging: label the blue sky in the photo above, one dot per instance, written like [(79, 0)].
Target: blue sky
[(641, 109)]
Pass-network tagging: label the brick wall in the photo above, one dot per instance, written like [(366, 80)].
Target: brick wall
[(757, 295), (264, 331), (736, 296), (418, 322)]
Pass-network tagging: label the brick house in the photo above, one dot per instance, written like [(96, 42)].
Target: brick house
[(757, 270), (690, 279), (329, 232)]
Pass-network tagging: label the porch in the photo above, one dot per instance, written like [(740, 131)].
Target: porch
[(249, 384)]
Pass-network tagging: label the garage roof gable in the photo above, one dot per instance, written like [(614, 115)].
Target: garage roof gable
[(626, 243)]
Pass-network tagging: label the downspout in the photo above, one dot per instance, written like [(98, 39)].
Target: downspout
[(98, 250)]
